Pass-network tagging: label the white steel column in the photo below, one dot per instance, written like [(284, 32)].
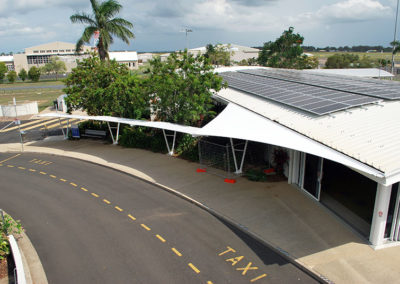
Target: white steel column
[(378, 225), (170, 149)]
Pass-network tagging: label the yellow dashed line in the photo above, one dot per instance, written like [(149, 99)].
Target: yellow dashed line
[(176, 252), (119, 209), (94, 194), (10, 166), (32, 160), (84, 189), (1, 165), (10, 158), (73, 184), (144, 226), (21, 168), (53, 176), (259, 277), (161, 238), (130, 216), (194, 268), (106, 201), (32, 170), (64, 180), (209, 282), (43, 173)]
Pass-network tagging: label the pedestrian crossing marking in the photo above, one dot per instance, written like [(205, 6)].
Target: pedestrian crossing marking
[(26, 124), (55, 125)]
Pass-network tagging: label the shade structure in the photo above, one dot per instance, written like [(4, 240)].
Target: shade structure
[(240, 123)]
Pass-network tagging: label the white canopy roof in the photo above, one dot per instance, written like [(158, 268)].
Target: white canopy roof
[(240, 123)]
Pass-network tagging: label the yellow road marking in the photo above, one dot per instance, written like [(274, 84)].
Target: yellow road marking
[(84, 189), (37, 125), (9, 158), (106, 201), (43, 173), (176, 252), (64, 180), (257, 278), (25, 124), (32, 160), (1, 165), (73, 184), (21, 168), (58, 124), (10, 166), (194, 268), (144, 226), (32, 170), (130, 216), (119, 209), (209, 282), (94, 194), (161, 238), (48, 163), (53, 176)]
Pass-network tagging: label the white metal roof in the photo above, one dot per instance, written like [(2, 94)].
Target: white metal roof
[(123, 56), (6, 58), (356, 72), (369, 134)]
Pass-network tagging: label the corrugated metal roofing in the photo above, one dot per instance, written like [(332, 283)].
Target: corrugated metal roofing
[(370, 134)]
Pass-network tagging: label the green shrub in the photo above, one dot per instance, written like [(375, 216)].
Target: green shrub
[(7, 226), (255, 175), (187, 148), (143, 138)]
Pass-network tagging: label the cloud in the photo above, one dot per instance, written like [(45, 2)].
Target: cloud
[(15, 7), (253, 3), (351, 11)]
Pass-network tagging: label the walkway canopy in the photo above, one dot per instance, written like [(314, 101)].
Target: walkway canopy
[(240, 123)]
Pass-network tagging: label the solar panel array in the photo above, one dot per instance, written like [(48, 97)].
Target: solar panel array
[(384, 89), (311, 98)]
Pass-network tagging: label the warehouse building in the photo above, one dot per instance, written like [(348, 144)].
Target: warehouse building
[(40, 55)]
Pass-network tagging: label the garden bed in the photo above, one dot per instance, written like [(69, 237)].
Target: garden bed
[(7, 266)]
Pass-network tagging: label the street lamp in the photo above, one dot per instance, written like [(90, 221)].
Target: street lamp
[(394, 38), (186, 32)]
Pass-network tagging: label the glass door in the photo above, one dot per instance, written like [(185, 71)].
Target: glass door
[(312, 175)]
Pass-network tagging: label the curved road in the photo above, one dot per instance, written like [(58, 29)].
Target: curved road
[(91, 224)]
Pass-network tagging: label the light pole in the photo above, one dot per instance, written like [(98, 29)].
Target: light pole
[(394, 37), (186, 32)]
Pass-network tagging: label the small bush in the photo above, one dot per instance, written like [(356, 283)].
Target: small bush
[(187, 148), (7, 226), (143, 138), (255, 175)]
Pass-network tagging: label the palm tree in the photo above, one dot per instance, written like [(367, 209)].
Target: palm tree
[(102, 21)]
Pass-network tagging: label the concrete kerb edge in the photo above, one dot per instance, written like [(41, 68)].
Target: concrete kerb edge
[(281, 252)]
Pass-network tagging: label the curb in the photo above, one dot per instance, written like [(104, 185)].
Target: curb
[(244, 229)]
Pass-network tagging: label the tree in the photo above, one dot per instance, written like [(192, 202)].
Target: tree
[(284, 52), (102, 21), (219, 54), (182, 88), (106, 88), (34, 74), (349, 61), (55, 65), (3, 70), (23, 74), (11, 76)]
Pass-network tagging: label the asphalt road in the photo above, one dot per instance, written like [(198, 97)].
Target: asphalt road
[(91, 224)]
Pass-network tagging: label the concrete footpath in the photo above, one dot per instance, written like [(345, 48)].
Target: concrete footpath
[(277, 212)]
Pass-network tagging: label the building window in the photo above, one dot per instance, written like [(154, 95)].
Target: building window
[(68, 50), (61, 50), (36, 51), (55, 50), (43, 51), (48, 50)]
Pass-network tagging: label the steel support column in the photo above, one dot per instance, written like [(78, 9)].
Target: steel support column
[(378, 225)]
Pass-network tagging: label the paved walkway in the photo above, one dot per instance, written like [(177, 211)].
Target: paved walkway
[(276, 212)]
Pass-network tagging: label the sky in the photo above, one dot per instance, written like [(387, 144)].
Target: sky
[(159, 25)]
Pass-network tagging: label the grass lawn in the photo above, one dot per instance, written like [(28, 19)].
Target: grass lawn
[(44, 97), (31, 84), (372, 55)]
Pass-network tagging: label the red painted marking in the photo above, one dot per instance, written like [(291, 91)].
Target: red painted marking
[(270, 170), (228, 180), (201, 170)]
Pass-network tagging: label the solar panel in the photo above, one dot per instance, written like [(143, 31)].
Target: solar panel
[(383, 89), (311, 98)]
